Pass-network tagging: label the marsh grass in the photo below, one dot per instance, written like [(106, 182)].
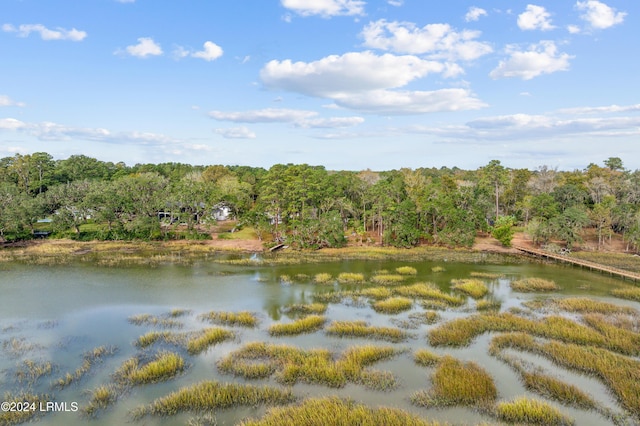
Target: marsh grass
[(487, 275), (166, 365), (323, 278), (428, 291), (393, 305), (350, 278), (178, 312), (531, 411), (457, 383), (18, 346), (101, 398), (292, 365), (388, 279), (471, 287), (9, 418), (208, 337), (437, 269), (152, 337), (31, 371), (407, 270), (209, 396), (416, 319), (557, 390), (152, 320), (426, 358), (331, 411), (243, 319), (310, 308), (308, 324), (631, 293), (586, 305), (375, 292), (362, 329), (434, 305), (89, 359), (488, 305), (531, 285)]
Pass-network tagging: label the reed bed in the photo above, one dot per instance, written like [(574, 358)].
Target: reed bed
[(557, 390), (331, 411), (460, 332), (179, 312), (407, 270), (426, 358), (434, 305), (362, 329), (10, 418), (375, 292), (488, 305), (152, 337), (393, 305), (209, 337), (457, 383), (18, 346), (291, 365), (166, 365), (323, 278), (350, 278), (471, 287), (101, 398), (531, 411), (585, 305), (427, 317), (487, 275), (429, 291), (89, 359), (309, 308), (31, 371), (531, 285), (438, 269), (152, 320), (209, 396), (631, 293), (308, 324), (243, 319), (388, 279)]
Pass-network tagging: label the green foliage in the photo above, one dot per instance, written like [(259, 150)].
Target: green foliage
[(503, 230)]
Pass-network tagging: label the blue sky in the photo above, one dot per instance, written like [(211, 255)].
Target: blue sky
[(348, 84)]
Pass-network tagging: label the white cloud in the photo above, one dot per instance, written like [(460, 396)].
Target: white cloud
[(573, 29), (330, 123), (297, 117), (6, 101), (599, 15), (11, 124), (474, 14), (541, 58), (211, 52), (325, 8), (604, 109), (45, 33), (236, 133), (349, 73), (146, 47), (535, 18), (396, 3), (439, 40), (388, 102)]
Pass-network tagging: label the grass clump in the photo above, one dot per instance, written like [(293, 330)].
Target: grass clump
[(376, 292), (488, 305), (438, 269), (350, 278), (531, 411), (487, 275), (388, 279), (31, 371), (429, 291), (308, 324), (209, 337), (407, 270), (152, 337), (585, 305), (310, 308), (165, 366), (10, 418), (555, 389), (530, 285), (393, 305), (209, 396), (362, 329), (471, 287), (101, 398), (632, 293), (323, 278), (425, 358), (89, 359), (331, 411), (457, 383), (148, 319), (244, 318)]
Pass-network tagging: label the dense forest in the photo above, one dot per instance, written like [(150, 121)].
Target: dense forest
[(308, 206)]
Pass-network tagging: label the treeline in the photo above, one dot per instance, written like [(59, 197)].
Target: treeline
[(309, 206)]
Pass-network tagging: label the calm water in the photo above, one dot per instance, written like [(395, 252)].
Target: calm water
[(59, 312)]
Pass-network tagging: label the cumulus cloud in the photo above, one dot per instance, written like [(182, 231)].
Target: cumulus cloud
[(599, 15), (474, 13), (329, 123), (439, 40), (211, 52), (396, 3), (11, 124), (603, 109), (297, 117), (535, 18), (541, 58), (45, 33), (325, 8), (146, 47), (6, 101), (236, 133)]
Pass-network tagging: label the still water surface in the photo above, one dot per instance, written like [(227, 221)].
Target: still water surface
[(62, 311)]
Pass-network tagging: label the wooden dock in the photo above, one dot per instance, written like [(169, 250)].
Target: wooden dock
[(621, 273)]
